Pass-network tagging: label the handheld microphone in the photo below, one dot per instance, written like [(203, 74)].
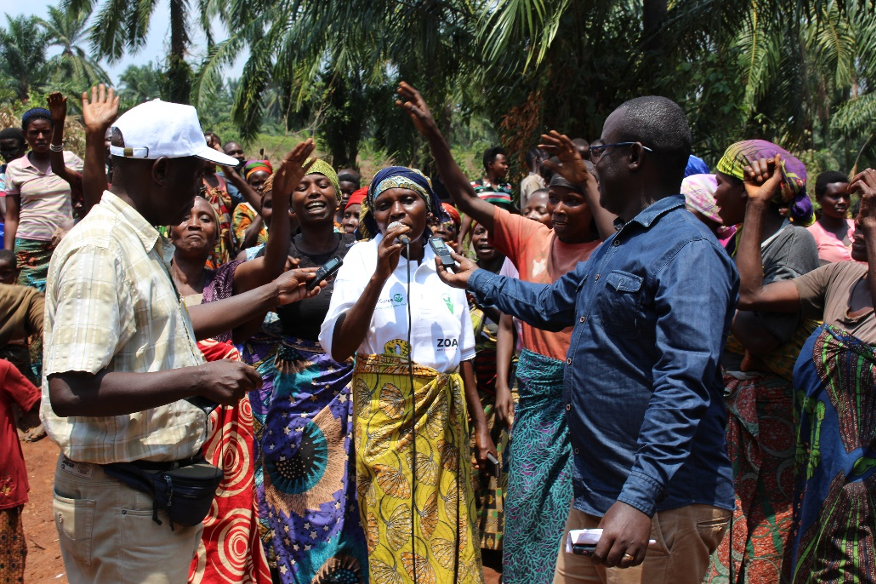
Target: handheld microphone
[(402, 238)]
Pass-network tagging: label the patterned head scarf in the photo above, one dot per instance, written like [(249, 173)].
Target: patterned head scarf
[(255, 166), (793, 190), (699, 195), (324, 168), (452, 213), (402, 178), (37, 113), (695, 165)]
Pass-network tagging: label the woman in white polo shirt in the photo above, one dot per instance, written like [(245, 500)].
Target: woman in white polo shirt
[(419, 517)]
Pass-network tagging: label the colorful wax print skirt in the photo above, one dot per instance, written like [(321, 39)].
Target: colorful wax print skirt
[(32, 257), (305, 483), (833, 537), (540, 467), (413, 467), (760, 441), (230, 551)]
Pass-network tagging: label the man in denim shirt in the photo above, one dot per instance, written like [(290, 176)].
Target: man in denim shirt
[(651, 311)]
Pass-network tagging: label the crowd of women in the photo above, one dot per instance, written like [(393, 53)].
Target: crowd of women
[(364, 455)]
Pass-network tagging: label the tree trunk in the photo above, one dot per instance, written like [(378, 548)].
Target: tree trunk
[(179, 73), (653, 14)]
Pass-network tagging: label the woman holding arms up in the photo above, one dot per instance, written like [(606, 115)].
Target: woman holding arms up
[(540, 466), (410, 409), (831, 535), (304, 429)]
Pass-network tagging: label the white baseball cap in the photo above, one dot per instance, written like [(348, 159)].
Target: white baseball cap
[(161, 129)]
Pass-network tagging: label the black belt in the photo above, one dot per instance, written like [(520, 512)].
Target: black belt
[(161, 466)]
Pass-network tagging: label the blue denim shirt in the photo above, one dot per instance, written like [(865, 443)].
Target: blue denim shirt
[(643, 392)]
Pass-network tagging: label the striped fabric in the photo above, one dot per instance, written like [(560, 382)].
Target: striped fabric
[(111, 305), (45, 198)]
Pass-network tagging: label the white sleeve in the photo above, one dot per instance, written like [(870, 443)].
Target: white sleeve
[(467, 340), (349, 285)]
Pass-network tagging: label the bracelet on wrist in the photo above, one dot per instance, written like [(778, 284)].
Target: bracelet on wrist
[(56, 147)]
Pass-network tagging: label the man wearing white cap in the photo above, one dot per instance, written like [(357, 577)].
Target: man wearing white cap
[(121, 359)]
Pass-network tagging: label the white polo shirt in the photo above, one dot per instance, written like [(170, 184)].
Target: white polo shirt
[(441, 332)]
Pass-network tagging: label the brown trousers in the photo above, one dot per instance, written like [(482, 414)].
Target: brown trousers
[(686, 537)]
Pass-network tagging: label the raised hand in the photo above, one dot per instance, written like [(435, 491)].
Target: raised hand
[(571, 166), (865, 183), (57, 107), (459, 277), (293, 168), (101, 109), (763, 178), (413, 103)]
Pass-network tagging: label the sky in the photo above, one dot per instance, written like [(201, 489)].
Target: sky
[(156, 43)]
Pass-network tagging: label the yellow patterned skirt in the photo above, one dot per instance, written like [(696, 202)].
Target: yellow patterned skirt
[(421, 524)]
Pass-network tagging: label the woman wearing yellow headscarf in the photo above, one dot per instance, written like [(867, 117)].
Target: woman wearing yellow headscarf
[(304, 416)]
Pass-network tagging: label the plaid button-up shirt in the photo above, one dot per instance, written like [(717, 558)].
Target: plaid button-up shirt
[(111, 305)]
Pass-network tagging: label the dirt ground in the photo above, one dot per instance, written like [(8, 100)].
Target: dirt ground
[(44, 564)]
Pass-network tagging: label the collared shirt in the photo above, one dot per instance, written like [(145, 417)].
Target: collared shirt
[(45, 197), (441, 331), (111, 305), (651, 310)]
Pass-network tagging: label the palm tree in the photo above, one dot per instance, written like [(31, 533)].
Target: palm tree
[(139, 83), (347, 55), (73, 67), (23, 55), (122, 26)]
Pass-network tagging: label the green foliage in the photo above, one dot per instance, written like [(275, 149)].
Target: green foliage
[(72, 69), (23, 56)]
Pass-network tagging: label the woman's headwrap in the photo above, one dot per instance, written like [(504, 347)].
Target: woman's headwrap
[(699, 195), (397, 177), (452, 213), (695, 165), (37, 113), (357, 197), (255, 166), (793, 191), (324, 168), (557, 180)]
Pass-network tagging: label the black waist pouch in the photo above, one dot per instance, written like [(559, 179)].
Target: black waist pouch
[(186, 493)]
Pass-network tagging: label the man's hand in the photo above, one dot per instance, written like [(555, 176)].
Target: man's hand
[(291, 285), (101, 110), (412, 102), (625, 534), (227, 382), (458, 278), (293, 168), (571, 166), (763, 178), (57, 107)]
